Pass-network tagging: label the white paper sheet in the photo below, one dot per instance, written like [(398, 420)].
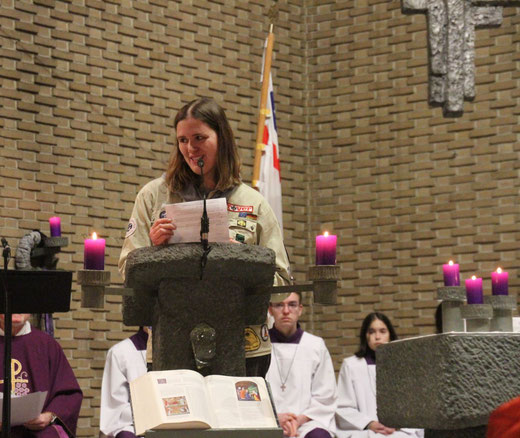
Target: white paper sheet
[(186, 216), (24, 408)]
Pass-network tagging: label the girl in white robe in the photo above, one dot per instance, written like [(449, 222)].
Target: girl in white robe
[(356, 415)]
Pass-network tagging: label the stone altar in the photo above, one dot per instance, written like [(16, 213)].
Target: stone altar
[(447, 384)]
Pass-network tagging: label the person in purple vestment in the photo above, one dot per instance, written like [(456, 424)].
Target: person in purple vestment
[(39, 364)]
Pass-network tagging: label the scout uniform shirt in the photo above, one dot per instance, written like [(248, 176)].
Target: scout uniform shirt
[(251, 221)]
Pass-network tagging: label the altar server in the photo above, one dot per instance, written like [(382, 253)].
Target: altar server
[(301, 374), (39, 364), (356, 416), (126, 361)]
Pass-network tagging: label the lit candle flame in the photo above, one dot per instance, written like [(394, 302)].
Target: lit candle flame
[(326, 233), (499, 270), (94, 236), (450, 263), (473, 277)]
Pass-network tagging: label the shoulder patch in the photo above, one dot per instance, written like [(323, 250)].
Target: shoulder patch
[(130, 229), (252, 341)]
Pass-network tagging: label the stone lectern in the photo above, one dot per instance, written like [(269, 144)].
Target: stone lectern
[(447, 384), (198, 323)]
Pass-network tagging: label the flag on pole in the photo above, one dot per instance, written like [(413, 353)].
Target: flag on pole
[(269, 181)]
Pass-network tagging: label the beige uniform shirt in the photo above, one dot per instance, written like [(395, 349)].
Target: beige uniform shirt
[(249, 215)]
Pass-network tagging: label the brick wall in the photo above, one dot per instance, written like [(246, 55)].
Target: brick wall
[(88, 94), (404, 188)]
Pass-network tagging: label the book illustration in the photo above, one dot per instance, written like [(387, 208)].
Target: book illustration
[(176, 406), (184, 399), (247, 391)]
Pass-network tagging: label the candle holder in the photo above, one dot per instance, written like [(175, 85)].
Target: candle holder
[(503, 306), (477, 316), (325, 283), (452, 299), (93, 283)]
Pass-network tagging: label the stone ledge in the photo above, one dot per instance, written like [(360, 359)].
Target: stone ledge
[(447, 381)]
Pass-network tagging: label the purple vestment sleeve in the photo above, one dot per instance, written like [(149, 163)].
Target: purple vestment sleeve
[(42, 366), (126, 434)]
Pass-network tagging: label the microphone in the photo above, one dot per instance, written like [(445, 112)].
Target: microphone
[(204, 220), (204, 223), (6, 253)]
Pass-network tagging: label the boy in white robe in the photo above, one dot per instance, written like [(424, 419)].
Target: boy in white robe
[(301, 375), (125, 362)]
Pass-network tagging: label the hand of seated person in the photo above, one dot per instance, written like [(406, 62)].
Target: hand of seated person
[(302, 419), (40, 422), (377, 427), (289, 423)]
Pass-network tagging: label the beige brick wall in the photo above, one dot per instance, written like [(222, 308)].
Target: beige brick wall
[(88, 94), (404, 188)]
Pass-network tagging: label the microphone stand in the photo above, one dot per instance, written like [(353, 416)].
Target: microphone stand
[(6, 409), (204, 223)]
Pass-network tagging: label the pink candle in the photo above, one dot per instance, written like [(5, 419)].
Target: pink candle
[(451, 274), (55, 223), (326, 249), (499, 282), (94, 254), (474, 290)]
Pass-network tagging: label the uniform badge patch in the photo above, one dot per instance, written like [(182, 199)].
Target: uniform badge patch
[(130, 229), (252, 340), (241, 223), (264, 332), (240, 208)]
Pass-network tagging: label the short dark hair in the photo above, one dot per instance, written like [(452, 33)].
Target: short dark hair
[(364, 349), (179, 174), (299, 298)]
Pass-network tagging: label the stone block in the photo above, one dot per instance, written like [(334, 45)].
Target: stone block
[(448, 381)]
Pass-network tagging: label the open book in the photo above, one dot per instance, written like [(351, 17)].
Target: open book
[(184, 399)]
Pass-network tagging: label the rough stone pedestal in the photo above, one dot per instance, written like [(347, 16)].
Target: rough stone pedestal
[(170, 296), (452, 299), (447, 384), (503, 306)]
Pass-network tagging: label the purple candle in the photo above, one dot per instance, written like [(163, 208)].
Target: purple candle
[(499, 282), (474, 290), (55, 223), (326, 249), (451, 274), (94, 254)]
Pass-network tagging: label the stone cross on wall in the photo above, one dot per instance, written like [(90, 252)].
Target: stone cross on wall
[(451, 38)]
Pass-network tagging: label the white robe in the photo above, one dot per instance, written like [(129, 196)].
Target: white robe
[(124, 363), (310, 385), (357, 402)]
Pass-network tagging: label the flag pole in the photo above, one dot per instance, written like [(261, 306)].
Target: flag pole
[(259, 145)]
